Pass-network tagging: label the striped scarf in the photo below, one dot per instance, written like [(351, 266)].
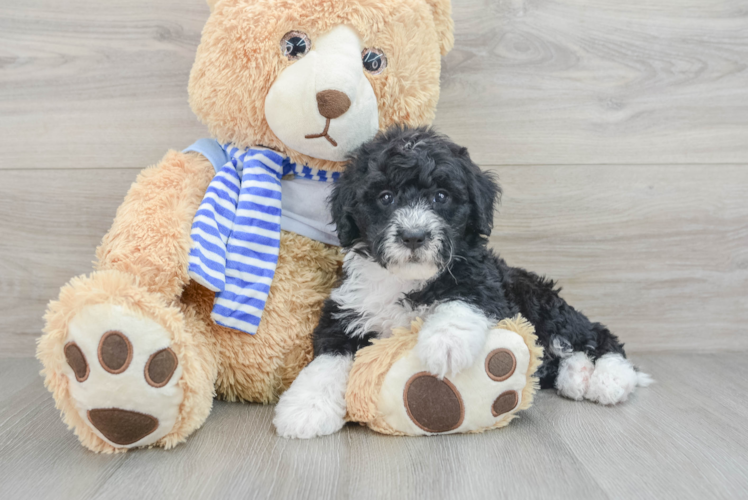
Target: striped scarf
[(236, 233)]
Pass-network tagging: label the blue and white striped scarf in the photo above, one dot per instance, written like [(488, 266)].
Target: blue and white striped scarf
[(236, 233)]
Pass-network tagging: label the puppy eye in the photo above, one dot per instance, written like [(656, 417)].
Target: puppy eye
[(374, 60), (295, 45), (386, 197), (441, 196)]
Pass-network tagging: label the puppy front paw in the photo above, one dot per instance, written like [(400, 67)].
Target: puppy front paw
[(302, 417), (314, 405), (448, 349)]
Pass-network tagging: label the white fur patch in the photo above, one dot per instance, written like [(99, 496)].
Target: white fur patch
[(451, 338), (127, 390), (314, 405), (574, 373), (371, 294), (614, 379), (333, 63), (414, 271)]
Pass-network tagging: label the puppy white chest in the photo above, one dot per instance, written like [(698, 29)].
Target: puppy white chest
[(372, 298)]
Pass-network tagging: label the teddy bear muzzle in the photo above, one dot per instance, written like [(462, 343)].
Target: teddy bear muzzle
[(331, 75), (331, 104)]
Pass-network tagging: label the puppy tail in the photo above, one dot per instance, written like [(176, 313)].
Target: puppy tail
[(643, 379)]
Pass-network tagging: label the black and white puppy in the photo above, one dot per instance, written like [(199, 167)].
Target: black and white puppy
[(414, 212)]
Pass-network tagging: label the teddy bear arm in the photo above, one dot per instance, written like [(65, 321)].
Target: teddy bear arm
[(150, 236)]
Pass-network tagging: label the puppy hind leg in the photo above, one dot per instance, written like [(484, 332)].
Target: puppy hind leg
[(574, 374), (314, 405), (614, 379)]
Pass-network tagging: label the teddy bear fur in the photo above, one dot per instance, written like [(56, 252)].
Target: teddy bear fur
[(141, 266), (364, 391)]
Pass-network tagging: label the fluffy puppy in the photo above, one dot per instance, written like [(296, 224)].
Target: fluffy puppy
[(414, 213)]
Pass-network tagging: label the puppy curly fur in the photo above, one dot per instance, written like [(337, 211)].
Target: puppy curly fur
[(405, 169)]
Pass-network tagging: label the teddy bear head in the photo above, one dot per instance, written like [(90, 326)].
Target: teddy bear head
[(314, 79)]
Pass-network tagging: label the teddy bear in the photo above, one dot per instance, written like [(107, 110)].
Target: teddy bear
[(212, 276)]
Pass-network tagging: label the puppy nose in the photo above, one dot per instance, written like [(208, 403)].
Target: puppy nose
[(413, 238), (332, 103)]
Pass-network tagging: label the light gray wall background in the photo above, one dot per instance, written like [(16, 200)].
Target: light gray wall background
[(619, 131)]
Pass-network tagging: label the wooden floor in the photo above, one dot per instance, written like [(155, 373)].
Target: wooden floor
[(619, 131), (682, 438)]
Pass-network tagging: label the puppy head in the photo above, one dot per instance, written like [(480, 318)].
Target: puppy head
[(412, 200)]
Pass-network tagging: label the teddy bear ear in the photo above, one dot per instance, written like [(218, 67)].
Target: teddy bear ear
[(443, 20), (212, 4)]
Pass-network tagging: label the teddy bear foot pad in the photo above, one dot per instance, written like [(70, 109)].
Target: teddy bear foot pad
[(484, 396), (123, 375), (436, 405)]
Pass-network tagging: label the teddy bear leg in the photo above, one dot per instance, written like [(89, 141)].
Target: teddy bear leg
[(126, 369), (392, 390)]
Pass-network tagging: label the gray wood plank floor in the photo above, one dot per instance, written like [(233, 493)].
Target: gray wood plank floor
[(682, 438)]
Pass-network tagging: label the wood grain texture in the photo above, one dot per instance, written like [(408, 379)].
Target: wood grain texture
[(656, 251), (103, 84), (53, 221), (680, 438), (620, 133), (88, 84), (658, 254), (598, 81)]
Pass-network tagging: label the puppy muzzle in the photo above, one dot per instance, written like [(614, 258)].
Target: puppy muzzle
[(413, 239)]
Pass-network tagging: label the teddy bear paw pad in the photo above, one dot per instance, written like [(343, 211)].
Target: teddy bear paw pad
[(433, 405), (483, 396), (124, 376)]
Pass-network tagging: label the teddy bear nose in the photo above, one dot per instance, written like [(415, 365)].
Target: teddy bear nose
[(332, 103)]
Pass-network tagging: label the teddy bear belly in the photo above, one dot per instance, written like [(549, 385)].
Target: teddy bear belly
[(257, 368)]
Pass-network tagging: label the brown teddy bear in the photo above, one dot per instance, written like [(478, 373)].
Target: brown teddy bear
[(135, 352)]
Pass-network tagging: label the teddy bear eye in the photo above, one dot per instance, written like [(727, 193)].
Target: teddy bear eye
[(295, 45), (374, 60)]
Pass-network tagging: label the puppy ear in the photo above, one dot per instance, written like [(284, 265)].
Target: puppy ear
[(484, 195), (342, 203)]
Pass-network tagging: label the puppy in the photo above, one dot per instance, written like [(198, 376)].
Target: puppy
[(414, 213)]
